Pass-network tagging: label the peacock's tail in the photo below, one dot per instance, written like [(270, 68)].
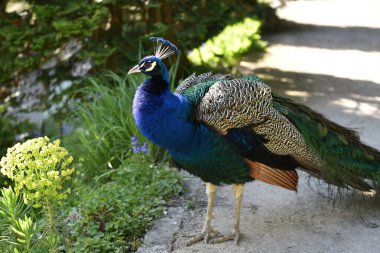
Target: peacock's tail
[(347, 161)]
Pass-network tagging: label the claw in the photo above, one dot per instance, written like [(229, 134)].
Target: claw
[(206, 235), (235, 235)]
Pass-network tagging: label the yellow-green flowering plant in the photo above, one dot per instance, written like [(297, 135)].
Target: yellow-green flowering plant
[(39, 168)]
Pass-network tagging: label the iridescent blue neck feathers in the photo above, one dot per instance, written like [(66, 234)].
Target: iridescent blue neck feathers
[(155, 84)]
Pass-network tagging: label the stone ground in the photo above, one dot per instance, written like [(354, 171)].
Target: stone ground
[(328, 58)]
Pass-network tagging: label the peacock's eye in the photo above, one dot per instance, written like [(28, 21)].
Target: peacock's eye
[(150, 65)]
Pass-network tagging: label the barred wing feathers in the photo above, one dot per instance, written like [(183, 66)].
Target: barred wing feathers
[(247, 104)]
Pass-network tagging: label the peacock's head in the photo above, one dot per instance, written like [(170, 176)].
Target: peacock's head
[(153, 65), (150, 65)]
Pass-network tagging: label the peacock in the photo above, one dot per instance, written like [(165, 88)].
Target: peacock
[(233, 130)]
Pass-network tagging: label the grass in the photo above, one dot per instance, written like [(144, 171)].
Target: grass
[(104, 125)]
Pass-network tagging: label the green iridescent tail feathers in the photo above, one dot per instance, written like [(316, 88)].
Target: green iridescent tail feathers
[(348, 161)]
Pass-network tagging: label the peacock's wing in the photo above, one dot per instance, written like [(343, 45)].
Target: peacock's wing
[(235, 108)]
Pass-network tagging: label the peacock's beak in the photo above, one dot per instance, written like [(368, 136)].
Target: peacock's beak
[(135, 69)]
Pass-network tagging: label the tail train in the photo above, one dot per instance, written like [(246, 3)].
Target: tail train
[(347, 161)]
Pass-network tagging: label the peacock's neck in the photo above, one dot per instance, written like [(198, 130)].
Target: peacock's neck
[(156, 84), (163, 117)]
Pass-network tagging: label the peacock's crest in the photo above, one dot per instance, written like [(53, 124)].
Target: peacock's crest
[(163, 48)]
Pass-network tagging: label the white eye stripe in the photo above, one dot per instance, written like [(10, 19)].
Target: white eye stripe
[(151, 66)]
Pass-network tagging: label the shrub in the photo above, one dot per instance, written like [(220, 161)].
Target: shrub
[(38, 169), (227, 47)]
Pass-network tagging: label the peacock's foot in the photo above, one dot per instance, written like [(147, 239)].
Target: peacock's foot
[(206, 234), (235, 235)]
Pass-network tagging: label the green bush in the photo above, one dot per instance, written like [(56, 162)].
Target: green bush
[(225, 49), (38, 169), (49, 38), (113, 215)]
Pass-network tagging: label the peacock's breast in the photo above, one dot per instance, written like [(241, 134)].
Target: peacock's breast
[(212, 159)]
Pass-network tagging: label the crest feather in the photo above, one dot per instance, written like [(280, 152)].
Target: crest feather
[(163, 48)]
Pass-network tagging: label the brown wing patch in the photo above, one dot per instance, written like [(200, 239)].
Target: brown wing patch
[(287, 179)]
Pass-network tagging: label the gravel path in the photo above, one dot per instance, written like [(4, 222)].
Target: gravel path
[(328, 58)]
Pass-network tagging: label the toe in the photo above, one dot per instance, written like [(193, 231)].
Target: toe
[(206, 235), (232, 236), (195, 239)]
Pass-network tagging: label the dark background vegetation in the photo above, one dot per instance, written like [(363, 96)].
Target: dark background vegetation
[(108, 33)]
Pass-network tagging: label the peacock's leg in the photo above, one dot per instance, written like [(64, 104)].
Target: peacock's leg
[(207, 230), (235, 234)]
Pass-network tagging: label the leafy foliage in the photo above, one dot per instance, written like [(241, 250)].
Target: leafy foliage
[(33, 37), (199, 22), (112, 216), (17, 229), (55, 37), (225, 48), (50, 38)]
